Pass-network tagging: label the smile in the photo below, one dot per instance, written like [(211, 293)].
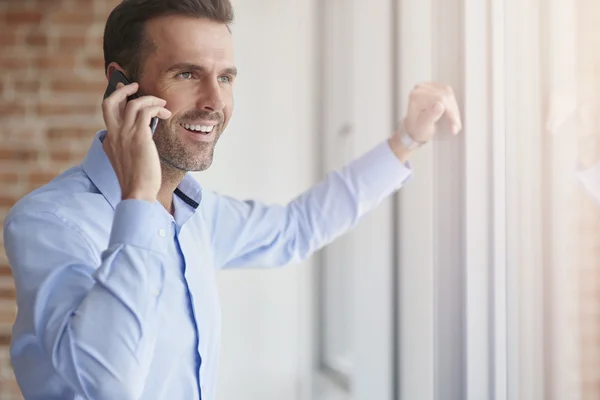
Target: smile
[(198, 128)]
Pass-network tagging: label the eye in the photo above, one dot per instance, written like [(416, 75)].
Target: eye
[(225, 79), (185, 75)]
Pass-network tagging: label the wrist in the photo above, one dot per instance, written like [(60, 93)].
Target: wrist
[(403, 144), (401, 151)]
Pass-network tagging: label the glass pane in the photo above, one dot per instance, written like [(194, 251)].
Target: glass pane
[(553, 128)]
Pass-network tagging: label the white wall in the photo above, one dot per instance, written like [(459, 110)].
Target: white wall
[(267, 154)]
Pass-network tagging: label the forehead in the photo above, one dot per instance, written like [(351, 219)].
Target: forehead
[(195, 39)]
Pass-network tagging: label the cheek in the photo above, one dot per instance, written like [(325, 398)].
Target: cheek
[(177, 98)]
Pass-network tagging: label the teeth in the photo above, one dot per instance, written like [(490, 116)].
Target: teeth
[(198, 128)]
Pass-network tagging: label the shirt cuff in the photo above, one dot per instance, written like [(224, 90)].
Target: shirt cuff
[(382, 169), (140, 223)]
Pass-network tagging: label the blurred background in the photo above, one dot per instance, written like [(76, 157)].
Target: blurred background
[(479, 280)]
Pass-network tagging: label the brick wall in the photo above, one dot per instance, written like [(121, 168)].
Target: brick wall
[(51, 87)]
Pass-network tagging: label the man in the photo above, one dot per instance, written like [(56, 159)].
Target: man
[(114, 261)]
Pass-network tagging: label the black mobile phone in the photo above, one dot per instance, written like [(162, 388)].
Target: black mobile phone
[(116, 77)]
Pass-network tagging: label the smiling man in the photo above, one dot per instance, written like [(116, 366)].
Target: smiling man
[(114, 261)]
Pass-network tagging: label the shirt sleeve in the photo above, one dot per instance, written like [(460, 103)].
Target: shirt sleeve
[(252, 234), (590, 178), (96, 316)]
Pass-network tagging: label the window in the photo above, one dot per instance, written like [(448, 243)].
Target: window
[(495, 249)]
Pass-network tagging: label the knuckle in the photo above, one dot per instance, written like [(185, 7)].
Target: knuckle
[(146, 113)]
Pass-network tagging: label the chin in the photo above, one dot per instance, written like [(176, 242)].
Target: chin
[(202, 166)]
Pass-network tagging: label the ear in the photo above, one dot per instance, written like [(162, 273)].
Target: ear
[(112, 67)]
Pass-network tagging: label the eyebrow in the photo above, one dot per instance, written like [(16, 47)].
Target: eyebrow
[(197, 68)]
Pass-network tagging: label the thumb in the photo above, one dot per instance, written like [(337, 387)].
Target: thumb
[(437, 111)]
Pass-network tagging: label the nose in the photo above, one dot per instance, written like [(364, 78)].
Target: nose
[(211, 100)]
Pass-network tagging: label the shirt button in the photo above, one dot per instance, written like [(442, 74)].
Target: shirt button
[(162, 233), (155, 292)]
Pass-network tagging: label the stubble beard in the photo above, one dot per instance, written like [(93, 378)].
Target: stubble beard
[(183, 156)]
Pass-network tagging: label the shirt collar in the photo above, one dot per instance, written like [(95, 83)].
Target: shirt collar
[(100, 171)]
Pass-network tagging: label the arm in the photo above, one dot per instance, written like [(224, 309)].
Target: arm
[(248, 233), (96, 319)]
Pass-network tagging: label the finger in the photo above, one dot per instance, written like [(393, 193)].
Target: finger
[(428, 105), (135, 106), (122, 92), (427, 116), (112, 106), (445, 94), (146, 114), (453, 114)]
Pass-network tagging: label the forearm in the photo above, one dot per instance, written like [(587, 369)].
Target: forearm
[(335, 205), (251, 234)]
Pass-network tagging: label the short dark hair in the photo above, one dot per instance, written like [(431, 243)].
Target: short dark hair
[(124, 35)]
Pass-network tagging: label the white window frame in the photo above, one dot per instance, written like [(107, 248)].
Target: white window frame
[(461, 43), (370, 122)]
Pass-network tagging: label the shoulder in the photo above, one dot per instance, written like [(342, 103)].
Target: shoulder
[(70, 199)]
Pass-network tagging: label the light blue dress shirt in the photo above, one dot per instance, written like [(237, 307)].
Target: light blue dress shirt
[(117, 300)]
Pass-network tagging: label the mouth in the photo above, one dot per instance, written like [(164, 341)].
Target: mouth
[(201, 129), (205, 133)]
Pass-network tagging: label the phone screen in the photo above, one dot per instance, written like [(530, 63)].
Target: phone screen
[(116, 77)]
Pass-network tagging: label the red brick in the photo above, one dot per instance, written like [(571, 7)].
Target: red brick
[(5, 340), (48, 5), (7, 315), (39, 178), (17, 155), (5, 270), (21, 17), (7, 293), (68, 17), (69, 133), (36, 39), (58, 61), (12, 109), (71, 42), (14, 63), (7, 201), (9, 177), (27, 86), (94, 63), (61, 155), (78, 86), (50, 109), (8, 38), (96, 42), (84, 5)]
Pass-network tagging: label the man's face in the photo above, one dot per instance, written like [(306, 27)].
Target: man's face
[(193, 70)]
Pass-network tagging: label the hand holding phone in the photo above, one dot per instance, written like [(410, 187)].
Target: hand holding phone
[(128, 143), (118, 77)]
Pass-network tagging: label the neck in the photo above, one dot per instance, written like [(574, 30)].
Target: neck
[(171, 178)]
